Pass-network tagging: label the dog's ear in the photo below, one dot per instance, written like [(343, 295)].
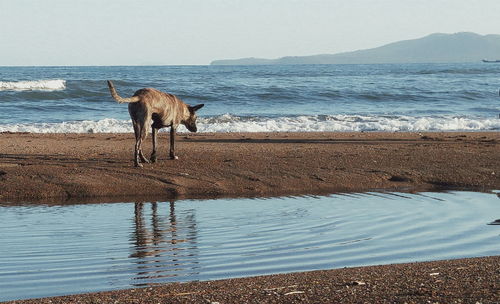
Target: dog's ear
[(197, 107)]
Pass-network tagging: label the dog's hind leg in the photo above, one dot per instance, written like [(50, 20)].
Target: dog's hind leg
[(140, 122), (154, 134), (140, 131), (155, 127), (137, 133), (172, 142), (143, 135)]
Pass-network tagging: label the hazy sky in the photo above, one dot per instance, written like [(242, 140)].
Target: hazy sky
[(131, 32)]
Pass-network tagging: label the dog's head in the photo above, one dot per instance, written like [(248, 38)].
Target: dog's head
[(190, 123)]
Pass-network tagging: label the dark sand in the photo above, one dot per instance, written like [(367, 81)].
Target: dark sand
[(457, 281), (98, 168)]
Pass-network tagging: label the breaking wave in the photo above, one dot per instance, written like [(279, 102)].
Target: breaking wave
[(306, 123), (33, 85), (345, 123)]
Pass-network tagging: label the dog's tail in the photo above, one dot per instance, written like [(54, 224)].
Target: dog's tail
[(117, 97)]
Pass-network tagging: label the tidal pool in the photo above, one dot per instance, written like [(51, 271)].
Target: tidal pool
[(48, 250)]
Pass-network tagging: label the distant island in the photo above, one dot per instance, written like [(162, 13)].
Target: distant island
[(434, 48)]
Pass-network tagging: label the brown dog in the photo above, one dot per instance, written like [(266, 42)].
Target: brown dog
[(165, 110)]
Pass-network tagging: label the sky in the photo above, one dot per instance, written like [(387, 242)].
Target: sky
[(195, 32)]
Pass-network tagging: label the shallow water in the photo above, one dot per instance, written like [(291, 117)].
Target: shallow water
[(49, 250)]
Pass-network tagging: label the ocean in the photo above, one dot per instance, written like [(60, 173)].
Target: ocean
[(286, 98)]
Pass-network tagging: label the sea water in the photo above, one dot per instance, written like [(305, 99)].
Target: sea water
[(58, 249), (379, 97)]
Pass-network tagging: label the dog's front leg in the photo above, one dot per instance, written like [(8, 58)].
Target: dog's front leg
[(172, 142)]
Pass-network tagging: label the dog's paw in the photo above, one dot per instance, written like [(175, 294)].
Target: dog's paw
[(174, 157)]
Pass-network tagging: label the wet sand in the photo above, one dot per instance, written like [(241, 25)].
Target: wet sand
[(99, 167), (474, 280)]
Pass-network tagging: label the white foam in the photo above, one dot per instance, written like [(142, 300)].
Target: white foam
[(107, 125), (33, 85), (337, 123), (229, 123)]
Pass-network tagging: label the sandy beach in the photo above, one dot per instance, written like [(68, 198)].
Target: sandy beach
[(54, 168), (474, 280), (99, 167)]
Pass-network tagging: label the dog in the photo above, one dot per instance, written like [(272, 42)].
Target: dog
[(164, 110)]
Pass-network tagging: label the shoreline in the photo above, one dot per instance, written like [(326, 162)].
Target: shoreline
[(469, 280), (98, 167)]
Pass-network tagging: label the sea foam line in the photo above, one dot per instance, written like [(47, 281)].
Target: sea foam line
[(306, 123), (346, 123), (33, 85)]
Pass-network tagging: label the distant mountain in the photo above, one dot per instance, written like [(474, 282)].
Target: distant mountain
[(459, 47)]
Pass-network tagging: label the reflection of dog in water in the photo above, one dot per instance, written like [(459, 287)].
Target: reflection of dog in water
[(160, 234), (165, 110)]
